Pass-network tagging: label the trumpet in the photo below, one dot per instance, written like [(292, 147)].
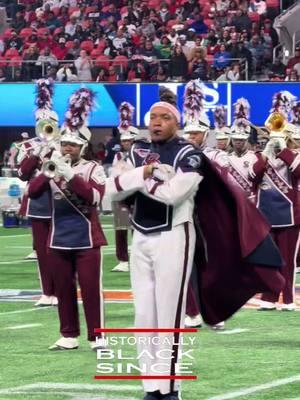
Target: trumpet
[(50, 169)]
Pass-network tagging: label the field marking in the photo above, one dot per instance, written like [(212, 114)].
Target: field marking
[(22, 326), (24, 311), (15, 236), (71, 386), (233, 331), (16, 262), (258, 388), (73, 395)]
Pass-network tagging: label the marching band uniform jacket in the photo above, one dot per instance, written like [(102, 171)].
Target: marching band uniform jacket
[(75, 223)]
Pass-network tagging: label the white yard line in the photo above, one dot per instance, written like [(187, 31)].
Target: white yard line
[(258, 388), (73, 395), (71, 386), (232, 331), (22, 326), (16, 262), (14, 236), (24, 311)]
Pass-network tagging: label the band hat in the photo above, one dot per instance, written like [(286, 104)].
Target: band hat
[(81, 136), (239, 132), (223, 133), (202, 125), (46, 114)]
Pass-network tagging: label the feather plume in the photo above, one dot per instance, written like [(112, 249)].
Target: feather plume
[(44, 94), (282, 102), (167, 95), (126, 111), (241, 113), (295, 114), (220, 117), (193, 101), (81, 103)]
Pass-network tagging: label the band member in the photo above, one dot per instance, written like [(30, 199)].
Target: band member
[(120, 209), (165, 180), (75, 235), (240, 157), (276, 173), (34, 152), (222, 132)]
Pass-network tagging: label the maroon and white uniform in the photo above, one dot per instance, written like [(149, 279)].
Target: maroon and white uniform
[(39, 210), (278, 198), (217, 156), (75, 239), (238, 168)]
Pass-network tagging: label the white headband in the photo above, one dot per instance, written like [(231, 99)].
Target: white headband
[(169, 107)]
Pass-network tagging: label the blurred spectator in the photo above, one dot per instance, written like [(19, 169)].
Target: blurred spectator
[(221, 58), (15, 75), (136, 72), (278, 68), (221, 5), (268, 28), (52, 21), (257, 50), (112, 74), (241, 21), (164, 47), (18, 22), (51, 73), (71, 26), (120, 41), (198, 25), (14, 42), (2, 46), (294, 60), (258, 6), (3, 76), (79, 33), (147, 27), (46, 58), (29, 69), (234, 73), (241, 52), (101, 76), (83, 66), (66, 74), (161, 75), (164, 13), (44, 41), (74, 51), (292, 76), (112, 13), (60, 50), (198, 66)]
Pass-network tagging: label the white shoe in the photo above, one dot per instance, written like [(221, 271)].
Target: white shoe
[(123, 266), (288, 307), (54, 301), (31, 256), (98, 344), (65, 343), (44, 301), (193, 322), (297, 270), (266, 306), (218, 327)]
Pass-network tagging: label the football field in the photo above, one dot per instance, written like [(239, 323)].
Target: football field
[(257, 357)]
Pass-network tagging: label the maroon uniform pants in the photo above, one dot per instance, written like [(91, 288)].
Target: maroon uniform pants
[(121, 237), (84, 265), (192, 308), (287, 240), (40, 232)]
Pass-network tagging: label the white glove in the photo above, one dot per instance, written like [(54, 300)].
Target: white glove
[(36, 151), (163, 172), (280, 144), (65, 170), (269, 149), (120, 167)]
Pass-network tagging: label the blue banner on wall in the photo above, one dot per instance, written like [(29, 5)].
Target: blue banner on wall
[(17, 101)]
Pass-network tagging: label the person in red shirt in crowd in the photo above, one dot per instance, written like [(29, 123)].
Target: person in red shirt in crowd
[(45, 41), (60, 51), (112, 75)]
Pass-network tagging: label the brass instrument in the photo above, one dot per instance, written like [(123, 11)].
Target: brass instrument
[(49, 168), (276, 122), (47, 130)]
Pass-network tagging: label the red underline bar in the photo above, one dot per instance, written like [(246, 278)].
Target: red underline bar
[(146, 377), (145, 330)]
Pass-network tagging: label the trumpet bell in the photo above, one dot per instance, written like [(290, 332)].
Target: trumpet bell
[(276, 122), (47, 130), (49, 169)]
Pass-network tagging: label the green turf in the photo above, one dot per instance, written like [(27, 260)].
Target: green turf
[(267, 351)]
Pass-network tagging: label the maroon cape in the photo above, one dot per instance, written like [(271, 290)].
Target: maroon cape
[(238, 257)]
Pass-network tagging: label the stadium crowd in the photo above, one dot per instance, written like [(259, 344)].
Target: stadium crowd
[(123, 40)]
